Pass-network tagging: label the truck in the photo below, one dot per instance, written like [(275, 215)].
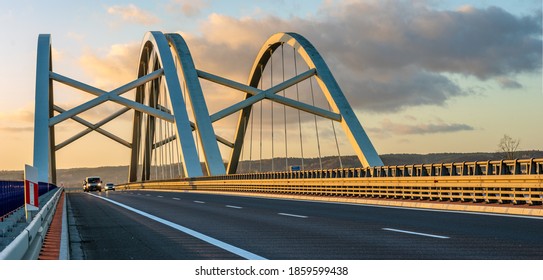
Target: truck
[(92, 183)]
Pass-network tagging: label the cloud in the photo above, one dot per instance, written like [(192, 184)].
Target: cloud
[(391, 34), (132, 13), (117, 67), (508, 83), (24, 115), (19, 121), (389, 127), (189, 8), (11, 129), (386, 55)]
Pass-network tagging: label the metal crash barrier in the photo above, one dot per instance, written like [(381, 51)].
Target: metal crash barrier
[(28, 243), (503, 181)]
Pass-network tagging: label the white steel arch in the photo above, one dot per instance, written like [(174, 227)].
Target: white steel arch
[(158, 51), (340, 106), (157, 74)]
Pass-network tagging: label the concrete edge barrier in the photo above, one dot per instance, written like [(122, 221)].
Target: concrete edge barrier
[(64, 238), (27, 245)]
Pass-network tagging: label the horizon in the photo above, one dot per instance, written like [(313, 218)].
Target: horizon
[(314, 158), (454, 79)]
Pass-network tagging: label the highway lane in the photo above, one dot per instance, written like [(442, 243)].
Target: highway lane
[(107, 232), (286, 229)]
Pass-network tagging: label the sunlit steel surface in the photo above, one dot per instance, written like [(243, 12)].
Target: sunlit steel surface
[(357, 136), (167, 83)]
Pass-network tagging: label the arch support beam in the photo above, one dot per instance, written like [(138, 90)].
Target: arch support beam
[(353, 129), (44, 134), (160, 84), (213, 160)]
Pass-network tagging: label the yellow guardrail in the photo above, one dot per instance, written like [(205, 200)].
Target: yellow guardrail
[(504, 181)]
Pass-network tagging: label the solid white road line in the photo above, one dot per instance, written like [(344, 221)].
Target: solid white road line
[(198, 201), (292, 215), (235, 207), (230, 248), (417, 233)]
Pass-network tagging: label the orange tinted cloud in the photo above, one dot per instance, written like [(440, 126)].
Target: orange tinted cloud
[(132, 13), (113, 69)]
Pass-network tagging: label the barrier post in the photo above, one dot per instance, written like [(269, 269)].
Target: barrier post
[(31, 191)]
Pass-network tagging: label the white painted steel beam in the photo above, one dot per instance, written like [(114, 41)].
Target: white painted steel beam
[(353, 129), (269, 94), (104, 96), (304, 107), (157, 69), (94, 127), (213, 160), (44, 136), (228, 83), (156, 44), (355, 133)]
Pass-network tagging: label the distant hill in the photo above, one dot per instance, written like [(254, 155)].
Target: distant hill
[(118, 174), (74, 177)]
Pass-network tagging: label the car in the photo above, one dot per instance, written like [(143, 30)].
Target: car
[(109, 187), (92, 183)]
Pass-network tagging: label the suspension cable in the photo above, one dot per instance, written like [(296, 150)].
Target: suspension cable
[(272, 120), (169, 128), (176, 143), (155, 146), (299, 113), (335, 137), (149, 144), (242, 156), (251, 141), (162, 150), (197, 144), (316, 125), (284, 108), (143, 130), (181, 170), (260, 140)]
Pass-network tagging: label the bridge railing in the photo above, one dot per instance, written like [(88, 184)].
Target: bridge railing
[(475, 168), (12, 195), (503, 181)]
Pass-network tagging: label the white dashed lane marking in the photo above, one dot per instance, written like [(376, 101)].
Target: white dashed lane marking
[(292, 215), (416, 233)]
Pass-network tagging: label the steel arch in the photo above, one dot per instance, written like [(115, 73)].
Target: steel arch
[(44, 134), (213, 160), (355, 133), (157, 68), (155, 54)]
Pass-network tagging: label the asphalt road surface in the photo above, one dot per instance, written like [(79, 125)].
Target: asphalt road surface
[(176, 225)]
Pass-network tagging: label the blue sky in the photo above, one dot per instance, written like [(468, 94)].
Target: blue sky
[(422, 76)]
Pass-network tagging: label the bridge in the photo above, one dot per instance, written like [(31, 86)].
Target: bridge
[(251, 180)]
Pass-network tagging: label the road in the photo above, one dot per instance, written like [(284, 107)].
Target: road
[(176, 225)]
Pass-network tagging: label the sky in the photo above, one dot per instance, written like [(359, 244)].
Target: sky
[(422, 76)]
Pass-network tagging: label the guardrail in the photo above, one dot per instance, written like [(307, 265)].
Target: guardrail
[(28, 243), (504, 181), (12, 195)]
